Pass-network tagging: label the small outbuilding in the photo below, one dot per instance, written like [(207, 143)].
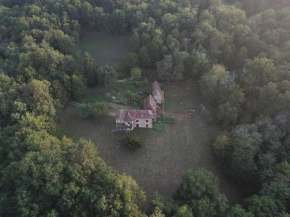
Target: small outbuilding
[(150, 104), (157, 93)]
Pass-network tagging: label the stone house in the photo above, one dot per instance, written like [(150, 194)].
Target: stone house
[(127, 120)]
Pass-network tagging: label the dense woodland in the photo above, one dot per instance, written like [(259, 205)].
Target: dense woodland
[(238, 50)]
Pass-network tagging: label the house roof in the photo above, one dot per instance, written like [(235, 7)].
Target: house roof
[(131, 115), (157, 92), (156, 86), (150, 104), (160, 94)]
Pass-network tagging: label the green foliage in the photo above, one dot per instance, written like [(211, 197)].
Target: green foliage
[(107, 76), (136, 74), (116, 21), (135, 41), (41, 68), (39, 100), (165, 68), (277, 184), (199, 190), (167, 205), (219, 88), (157, 213), (260, 72), (144, 57), (132, 141), (238, 211), (131, 61), (184, 211), (264, 206), (99, 110), (90, 70), (85, 110), (78, 87)]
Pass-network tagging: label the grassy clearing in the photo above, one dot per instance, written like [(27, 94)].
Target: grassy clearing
[(93, 96), (160, 163), (105, 48), (159, 127)]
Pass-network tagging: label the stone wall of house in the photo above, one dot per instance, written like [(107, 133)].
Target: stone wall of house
[(143, 123)]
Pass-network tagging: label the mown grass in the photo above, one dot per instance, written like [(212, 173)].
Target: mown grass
[(105, 48), (159, 127), (93, 97), (184, 145)]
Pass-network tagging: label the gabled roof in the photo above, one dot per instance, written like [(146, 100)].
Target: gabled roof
[(150, 104), (156, 86), (157, 92), (131, 115)]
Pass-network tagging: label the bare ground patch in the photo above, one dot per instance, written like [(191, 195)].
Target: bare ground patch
[(159, 165)]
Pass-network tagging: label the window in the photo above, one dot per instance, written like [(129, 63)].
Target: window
[(137, 121), (146, 121)]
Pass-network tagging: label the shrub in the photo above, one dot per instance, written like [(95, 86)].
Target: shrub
[(132, 141), (136, 74), (99, 110), (128, 94), (85, 110)]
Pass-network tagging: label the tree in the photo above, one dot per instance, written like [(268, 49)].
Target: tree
[(135, 42), (59, 92), (238, 211), (199, 63), (199, 190), (144, 57), (85, 110), (178, 70), (116, 21), (39, 100), (164, 68), (169, 21), (157, 213), (99, 110), (131, 61), (167, 205), (259, 72), (227, 113), (78, 86), (264, 206), (219, 87), (132, 141), (278, 184), (107, 76), (184, 211), (90, 70), (136, 74)]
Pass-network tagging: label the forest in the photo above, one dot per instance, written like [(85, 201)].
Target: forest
[(238, 50)]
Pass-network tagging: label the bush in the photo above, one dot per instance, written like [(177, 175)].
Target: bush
[(132, 141), (78, 86), (136, 74), (107, 76), (99, 110), (128, 94), (85, 110)]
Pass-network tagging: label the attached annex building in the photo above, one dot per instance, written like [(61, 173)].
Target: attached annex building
[(127, 119)]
